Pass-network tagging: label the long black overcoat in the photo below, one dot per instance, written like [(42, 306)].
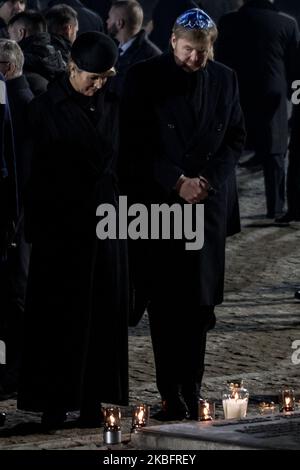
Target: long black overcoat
[(76, 314), (260, 44), (162, 138)]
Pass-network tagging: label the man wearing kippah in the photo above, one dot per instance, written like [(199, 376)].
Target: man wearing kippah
[(182, 132)]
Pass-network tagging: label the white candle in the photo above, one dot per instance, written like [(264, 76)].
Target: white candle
[(235, 408)]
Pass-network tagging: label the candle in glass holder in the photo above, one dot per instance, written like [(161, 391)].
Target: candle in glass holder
[(287, 400), (140, 416), (266, 408), (206, 410), (112, 425), (235, 400)]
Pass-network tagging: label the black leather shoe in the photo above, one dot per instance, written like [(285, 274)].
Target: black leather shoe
[(90, 421), (2, 419), (53, 419), (91, 416), (297, 294), (172, 411), (7, 393), (284, 220)]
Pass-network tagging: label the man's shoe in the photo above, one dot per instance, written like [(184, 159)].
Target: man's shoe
[(88, 421), (284, 220), (7, 394), (2, 419), (53, 419), (172, 411), (90, 416), (297, 294)]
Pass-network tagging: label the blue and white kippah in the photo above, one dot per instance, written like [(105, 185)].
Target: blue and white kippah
[(195, 19)]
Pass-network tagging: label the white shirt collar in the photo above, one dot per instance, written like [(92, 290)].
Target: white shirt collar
[(126, 46)]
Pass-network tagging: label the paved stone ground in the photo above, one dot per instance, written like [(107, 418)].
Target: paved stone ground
[(256, 326)]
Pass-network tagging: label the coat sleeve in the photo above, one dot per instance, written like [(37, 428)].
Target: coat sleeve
[(8, 177), (291, 58)]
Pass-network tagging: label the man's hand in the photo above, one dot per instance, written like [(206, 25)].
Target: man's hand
[(193, 190)]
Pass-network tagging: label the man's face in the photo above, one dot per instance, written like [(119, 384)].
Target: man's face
[(191, 55), (16, 32), (71, 31), (112, 22), (11, 8)]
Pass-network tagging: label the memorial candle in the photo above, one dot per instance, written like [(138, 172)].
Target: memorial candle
[(235, 400), (112, 425)]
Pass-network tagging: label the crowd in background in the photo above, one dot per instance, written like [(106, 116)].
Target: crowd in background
[(36, 40)]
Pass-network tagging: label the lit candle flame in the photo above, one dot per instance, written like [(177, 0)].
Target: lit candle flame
[(287, 401), (140, 416), (112, 420)]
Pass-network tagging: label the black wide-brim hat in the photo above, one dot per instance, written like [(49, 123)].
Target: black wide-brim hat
[(94, 52)]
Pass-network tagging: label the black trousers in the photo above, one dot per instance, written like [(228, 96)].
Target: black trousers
[(179, 342), (293, 184), (274, 176)]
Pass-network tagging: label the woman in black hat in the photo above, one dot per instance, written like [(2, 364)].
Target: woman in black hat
[(75, 344)]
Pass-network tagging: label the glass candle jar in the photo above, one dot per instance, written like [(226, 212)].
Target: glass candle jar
[(235, 400), (206, 410), (112, 425), (267, 408), (286, 400), (140, 416)]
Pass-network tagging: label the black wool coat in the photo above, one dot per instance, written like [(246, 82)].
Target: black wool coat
[(75, 347), (141, 49), (260, 44), (162, 137)]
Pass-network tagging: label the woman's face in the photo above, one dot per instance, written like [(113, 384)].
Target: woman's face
[(87, 83)]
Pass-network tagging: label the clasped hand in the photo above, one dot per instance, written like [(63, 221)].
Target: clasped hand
[(194, 190)]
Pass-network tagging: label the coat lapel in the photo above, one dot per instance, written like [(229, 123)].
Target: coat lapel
[(189, 126)]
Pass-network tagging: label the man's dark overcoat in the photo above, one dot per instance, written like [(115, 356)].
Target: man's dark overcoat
[(75, 347), (141, 49), (174, 123), (260, 44)]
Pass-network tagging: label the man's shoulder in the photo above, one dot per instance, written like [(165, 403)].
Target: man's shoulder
[(142, 41), (148, 66), (241, 15), (228, 18), (150, 47), (288, 19), (219, 69)]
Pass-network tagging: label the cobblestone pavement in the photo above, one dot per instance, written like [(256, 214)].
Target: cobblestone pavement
[(256, 326)]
